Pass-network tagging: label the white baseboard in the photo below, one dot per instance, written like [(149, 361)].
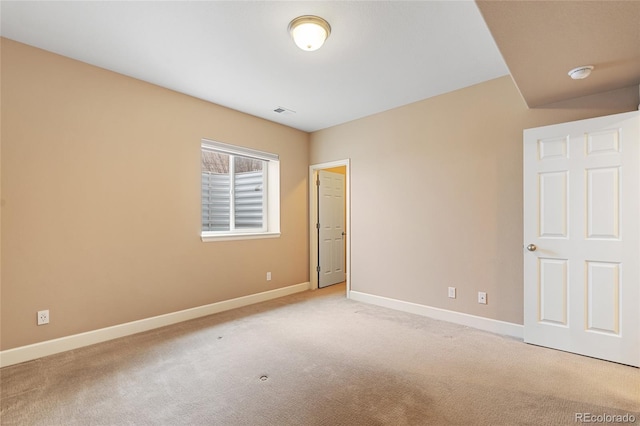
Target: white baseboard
[(50, 347), (481, 323)]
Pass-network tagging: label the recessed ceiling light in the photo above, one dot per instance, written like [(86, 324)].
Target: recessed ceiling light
[(581, 72), (309, 32)]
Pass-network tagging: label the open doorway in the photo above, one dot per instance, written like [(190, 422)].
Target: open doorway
[(320, 254)]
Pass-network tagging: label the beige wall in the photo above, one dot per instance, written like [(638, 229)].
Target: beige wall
[(342, 170), (100, 200), (436, 194)]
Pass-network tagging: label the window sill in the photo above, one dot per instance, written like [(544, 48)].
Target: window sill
[(208, 238)]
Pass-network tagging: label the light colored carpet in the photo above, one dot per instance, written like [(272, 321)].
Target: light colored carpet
[(315, 358)]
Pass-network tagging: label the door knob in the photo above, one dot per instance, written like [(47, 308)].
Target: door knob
[(531, 247)]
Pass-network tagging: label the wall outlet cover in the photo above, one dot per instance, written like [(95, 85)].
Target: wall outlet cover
[(452, 292), (43, 317)]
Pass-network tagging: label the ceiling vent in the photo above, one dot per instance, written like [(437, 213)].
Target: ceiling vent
[(283, 111)]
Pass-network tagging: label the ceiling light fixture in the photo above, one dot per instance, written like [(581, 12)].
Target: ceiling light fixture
[(581, 72), (309, 32)]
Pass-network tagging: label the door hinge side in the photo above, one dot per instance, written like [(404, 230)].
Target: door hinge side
[(318, 181), (318, 268), (318, 225)]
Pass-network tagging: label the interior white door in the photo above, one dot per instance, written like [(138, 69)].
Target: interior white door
[(581, 236), (331, 211)]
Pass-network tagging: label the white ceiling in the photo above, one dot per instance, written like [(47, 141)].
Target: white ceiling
[(380, 55)]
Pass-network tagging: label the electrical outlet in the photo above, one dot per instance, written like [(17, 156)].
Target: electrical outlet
[(452, 292), (268, 276), (43, 317), (482, 297)]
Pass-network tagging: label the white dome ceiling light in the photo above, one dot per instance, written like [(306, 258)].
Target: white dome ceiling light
[(581, 72), (309, 32)]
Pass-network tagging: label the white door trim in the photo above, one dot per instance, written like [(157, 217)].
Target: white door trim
[(313, 208)]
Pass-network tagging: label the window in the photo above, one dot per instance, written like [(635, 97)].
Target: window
[(240, 192)]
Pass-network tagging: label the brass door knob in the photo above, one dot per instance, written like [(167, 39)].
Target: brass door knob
[(531, 247)]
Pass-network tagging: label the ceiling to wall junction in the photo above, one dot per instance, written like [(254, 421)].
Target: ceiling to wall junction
[(380, 55)]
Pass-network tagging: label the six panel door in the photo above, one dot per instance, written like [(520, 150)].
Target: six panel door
[(331, 211), (581, 237)]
